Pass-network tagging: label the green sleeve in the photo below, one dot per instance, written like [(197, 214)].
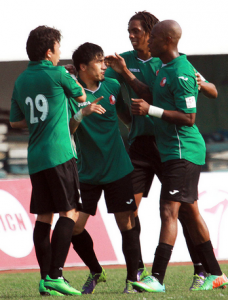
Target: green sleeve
[(185, 92)]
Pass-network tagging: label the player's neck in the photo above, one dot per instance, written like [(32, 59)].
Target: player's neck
[(169, 56), (144, 55), (90, 83)]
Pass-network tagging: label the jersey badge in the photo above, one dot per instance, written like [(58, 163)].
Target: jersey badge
[(112, 99), (157, 72), (163, 82), (190, 102)]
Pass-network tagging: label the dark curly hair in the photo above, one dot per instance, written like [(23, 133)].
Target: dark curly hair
[(86, 53), (40, 40), (147, 20)]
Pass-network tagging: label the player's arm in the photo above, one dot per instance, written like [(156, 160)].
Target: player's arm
[(142, 108), (118, 64), (19, 124), (123, 110), (207, 88), (71, 85), (84, 112)]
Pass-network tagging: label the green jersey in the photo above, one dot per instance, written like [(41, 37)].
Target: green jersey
[(145, 71), (175, 88), (102, 157), (40, 96)]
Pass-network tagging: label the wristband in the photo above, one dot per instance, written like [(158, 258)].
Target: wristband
[(155, 111), (78, 116), (74, 77)]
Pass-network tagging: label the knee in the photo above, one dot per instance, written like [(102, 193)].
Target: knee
[(168, 214), (125, 220), (77, 229)]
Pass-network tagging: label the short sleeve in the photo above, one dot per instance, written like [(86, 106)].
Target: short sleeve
[(71, 88), (183, 88), (16, 114)]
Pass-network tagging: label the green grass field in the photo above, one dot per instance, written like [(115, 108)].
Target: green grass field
[(178, 280)]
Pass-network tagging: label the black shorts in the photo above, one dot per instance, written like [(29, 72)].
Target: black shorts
[(180, 181), (55, 189), (119, 196), (146, 160)]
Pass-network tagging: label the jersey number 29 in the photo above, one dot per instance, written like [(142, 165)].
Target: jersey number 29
[(41, 104)]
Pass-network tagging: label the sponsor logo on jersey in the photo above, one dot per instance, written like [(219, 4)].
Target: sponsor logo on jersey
[(134, 70), (173, 192), (157, 72), (163, 82), (190, 102), (84, 103), (112, 99), (184, 78)]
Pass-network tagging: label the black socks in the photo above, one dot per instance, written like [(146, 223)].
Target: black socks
[(83, 245), (161, 260)]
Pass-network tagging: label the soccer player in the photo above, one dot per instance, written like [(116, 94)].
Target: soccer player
[(136, 70), (182, 151), (103, 165), (40, 102)]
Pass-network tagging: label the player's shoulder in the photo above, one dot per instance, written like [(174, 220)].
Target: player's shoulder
[(128, 54), (111, 82)]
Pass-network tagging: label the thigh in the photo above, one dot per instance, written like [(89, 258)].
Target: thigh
[(119, 195), (180, 181), (55, 189), (146, 161), (90, 195)]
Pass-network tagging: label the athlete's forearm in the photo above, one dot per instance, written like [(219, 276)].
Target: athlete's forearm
[(73, 125), (209, 90), (140, 88), (179, 118)]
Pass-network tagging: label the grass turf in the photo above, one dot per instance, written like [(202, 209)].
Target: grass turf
[(178, 280)]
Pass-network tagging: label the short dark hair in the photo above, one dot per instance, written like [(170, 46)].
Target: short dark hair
[(86, 53), (40, 40), (147, 20)]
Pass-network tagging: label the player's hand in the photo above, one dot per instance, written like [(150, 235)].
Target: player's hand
[(116, 62), (139, 107), (198, 80), (71, 69), (93, 108)]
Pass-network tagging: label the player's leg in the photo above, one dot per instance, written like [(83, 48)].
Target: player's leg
[(40, 205), (200, 236), (145, 159), (173, 186), (63, 184), (120, 200), (81, 239), (199, 271)]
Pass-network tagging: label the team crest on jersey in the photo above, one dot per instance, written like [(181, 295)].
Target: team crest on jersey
[(112, 99), (157, 72), (163, 82)]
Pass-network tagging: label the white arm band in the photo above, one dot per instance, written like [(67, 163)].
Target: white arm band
[(78, 116), (155, 111)]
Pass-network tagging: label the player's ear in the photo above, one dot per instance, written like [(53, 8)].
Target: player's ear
[(168, 40), (48, 54), (83, 67)]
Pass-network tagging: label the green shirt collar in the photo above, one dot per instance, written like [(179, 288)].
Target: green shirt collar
[(41, 63), (178, 58)]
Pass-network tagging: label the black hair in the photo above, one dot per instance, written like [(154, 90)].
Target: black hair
[(147, 20), (40, 40), (86, 53)]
